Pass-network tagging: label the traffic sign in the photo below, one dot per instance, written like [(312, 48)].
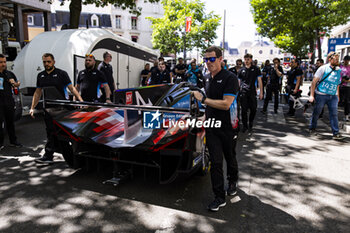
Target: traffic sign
[(310, 55)]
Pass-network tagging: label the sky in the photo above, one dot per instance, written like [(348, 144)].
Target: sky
[(239, 20)]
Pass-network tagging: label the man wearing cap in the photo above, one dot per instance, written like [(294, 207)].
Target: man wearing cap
[(325, 90), (90, 80)]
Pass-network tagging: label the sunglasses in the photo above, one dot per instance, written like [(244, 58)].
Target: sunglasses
[(89, 55), (211, 59)]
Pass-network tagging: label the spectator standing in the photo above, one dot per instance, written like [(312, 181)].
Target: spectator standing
[(248, 76), (8, 81), (325, 90), (107, 71), (90, 80), (194, 76), (345, 78), (51, 77)]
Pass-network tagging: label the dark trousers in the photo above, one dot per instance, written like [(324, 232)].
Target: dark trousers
[(346, 100), (289, 90), (222, 143), (269, 90), (248, 102), (51, 137), (7, 115)]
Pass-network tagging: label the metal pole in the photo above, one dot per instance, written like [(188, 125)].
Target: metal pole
[(223, 36)]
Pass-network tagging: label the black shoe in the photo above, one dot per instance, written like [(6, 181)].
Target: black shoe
[(216, 204), (232, 189), (44, 159), (312, 132), (244, 129), (2, 147), (16, 144), (275, 111)]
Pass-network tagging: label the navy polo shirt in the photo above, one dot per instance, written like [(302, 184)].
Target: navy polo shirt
[(223, 83)]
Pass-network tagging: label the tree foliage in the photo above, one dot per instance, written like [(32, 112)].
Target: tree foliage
[(169, 31), (295, 25), (75, 7)]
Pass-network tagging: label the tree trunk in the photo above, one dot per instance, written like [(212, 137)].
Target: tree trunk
[(319, 49), (74, 12), (312, 50)]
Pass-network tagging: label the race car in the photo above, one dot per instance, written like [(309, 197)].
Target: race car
[(147, 127)]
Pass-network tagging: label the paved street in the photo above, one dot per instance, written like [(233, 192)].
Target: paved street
[(289, 182)]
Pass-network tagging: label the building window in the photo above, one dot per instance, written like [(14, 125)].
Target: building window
[(279, 52), (245, 51), (118, 23), (134, 23), (94, 21), (134, 38), (260, 51), (30, 20), (271, 51), (344, 35)]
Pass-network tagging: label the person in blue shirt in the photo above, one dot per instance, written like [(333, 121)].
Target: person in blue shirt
[(194, 76), (325, 90)]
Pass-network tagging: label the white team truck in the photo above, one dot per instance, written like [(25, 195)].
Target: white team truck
[(13, 50), (69, 48)]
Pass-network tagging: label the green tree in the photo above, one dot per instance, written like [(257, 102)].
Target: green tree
[(295, 25), (75, 7), (169, 31)]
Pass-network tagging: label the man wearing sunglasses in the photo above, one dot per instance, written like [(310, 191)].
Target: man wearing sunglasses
[(90, 80), (221, 87), (51, 77), (249, 75)]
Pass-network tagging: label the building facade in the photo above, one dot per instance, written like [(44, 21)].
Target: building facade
[(121, 22), (342, 31), (261, 51)]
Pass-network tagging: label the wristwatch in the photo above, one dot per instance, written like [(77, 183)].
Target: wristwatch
[(203, 99)]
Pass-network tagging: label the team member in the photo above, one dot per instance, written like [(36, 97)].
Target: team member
[(107, 71), (145, 74), (160, 75), (273, 82), (326, 86), (8, 81), (51, 77), (265, 72), (236, 68), (221, 88), (249, 75), (89, 81), (293, 83), (180, 70)]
